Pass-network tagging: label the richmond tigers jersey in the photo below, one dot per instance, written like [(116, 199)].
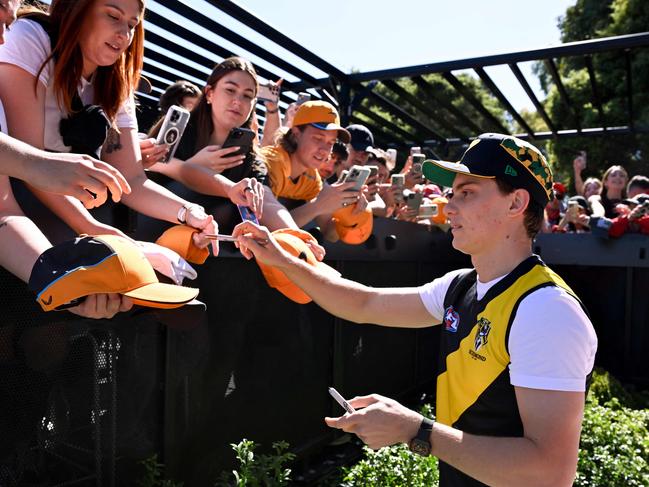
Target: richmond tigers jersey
[(474, 393)]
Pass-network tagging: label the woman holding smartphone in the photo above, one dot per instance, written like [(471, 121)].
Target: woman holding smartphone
[(67, 79), (201, 162)]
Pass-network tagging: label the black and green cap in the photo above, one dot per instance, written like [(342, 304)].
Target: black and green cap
[(500, 156)]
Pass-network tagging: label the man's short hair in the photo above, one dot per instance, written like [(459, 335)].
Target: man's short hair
[(534, 213), (340, 150), (638, 181)]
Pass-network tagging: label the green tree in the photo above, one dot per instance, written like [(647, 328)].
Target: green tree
[(591, 19)]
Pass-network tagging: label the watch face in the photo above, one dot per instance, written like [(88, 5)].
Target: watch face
[(420, 447)]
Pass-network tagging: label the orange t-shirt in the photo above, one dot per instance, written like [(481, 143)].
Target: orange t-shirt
[(305, 187)]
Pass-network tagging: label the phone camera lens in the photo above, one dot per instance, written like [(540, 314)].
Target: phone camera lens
[(175, 116)]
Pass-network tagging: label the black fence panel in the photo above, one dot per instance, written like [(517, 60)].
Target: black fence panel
[(84, 401)]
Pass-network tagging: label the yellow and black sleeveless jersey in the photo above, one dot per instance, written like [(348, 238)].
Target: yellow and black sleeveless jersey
[(474, 393)]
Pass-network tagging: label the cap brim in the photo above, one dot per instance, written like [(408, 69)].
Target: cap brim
[(161, 295), (444, 172), (343, 135)]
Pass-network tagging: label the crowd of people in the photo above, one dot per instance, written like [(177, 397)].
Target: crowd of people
[(67, 83), (608, 207)]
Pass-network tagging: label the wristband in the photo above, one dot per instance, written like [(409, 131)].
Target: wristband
[(182, 211)]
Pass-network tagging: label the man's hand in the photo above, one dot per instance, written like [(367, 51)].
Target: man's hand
[(336, 196), (381, 422), (79, 176), (98, 306), (151, 152), (256, 241), (217, 159)]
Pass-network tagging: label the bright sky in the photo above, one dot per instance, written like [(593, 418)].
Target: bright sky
[(369, 35)]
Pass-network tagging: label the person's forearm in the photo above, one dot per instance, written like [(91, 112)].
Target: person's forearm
[(500, 460), (170, 169), (275, 215), (16, 157), (352, 301), (203, 180), (151, 199), (271, 126), (21, 242), (579, 183), (303, 214)]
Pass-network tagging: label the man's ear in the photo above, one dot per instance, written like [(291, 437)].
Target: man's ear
[(520, 200)]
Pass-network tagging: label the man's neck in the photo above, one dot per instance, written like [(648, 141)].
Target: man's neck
[(297, 168), (502, 259)]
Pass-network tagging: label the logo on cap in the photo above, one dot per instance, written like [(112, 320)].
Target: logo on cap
[(48, 302), (510, 171)]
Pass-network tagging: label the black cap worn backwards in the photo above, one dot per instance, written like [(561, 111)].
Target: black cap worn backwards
[(500, 156)]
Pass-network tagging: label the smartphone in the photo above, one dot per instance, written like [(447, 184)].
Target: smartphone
[(302, 98), (341, 400), (417, 161), (398, 181), (343, 175), (172, 129), (374, 171), (247, 214), (357, 175), (239, 137), (392, 156), (414, 199), (428, 211), (268, 92), (582, 155), (415, 150)]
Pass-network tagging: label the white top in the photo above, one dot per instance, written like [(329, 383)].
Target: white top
[(27, 45), (552, 342)]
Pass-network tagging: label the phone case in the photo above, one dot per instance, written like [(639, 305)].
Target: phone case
[(247, 214), (172, 129), (357, 175), (268, 93), (239, 137)]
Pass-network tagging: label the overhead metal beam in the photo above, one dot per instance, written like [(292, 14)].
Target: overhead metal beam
[(193, 38), (398, 90), (203, 20), (242, 15), (593, 87), (381, 136), (470, 97), (552, 67), (486, 79), (384, 122), (406, 117), (530, 93), (428, 90), (573, 133), (579, 48)]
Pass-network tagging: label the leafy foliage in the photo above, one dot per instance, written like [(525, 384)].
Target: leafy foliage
[(393, 466), (153, 471), (259, 470), (614, 448)]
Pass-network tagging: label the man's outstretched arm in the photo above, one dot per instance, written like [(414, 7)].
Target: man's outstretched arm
[(398, 307)]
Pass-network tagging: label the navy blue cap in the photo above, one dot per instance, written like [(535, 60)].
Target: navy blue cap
[(361, 137)]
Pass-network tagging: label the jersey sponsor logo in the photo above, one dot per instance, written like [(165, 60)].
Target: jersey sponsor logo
[(451, 320), (484, 327)]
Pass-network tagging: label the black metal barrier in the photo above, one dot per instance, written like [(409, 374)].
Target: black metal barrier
[(84, 400)]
